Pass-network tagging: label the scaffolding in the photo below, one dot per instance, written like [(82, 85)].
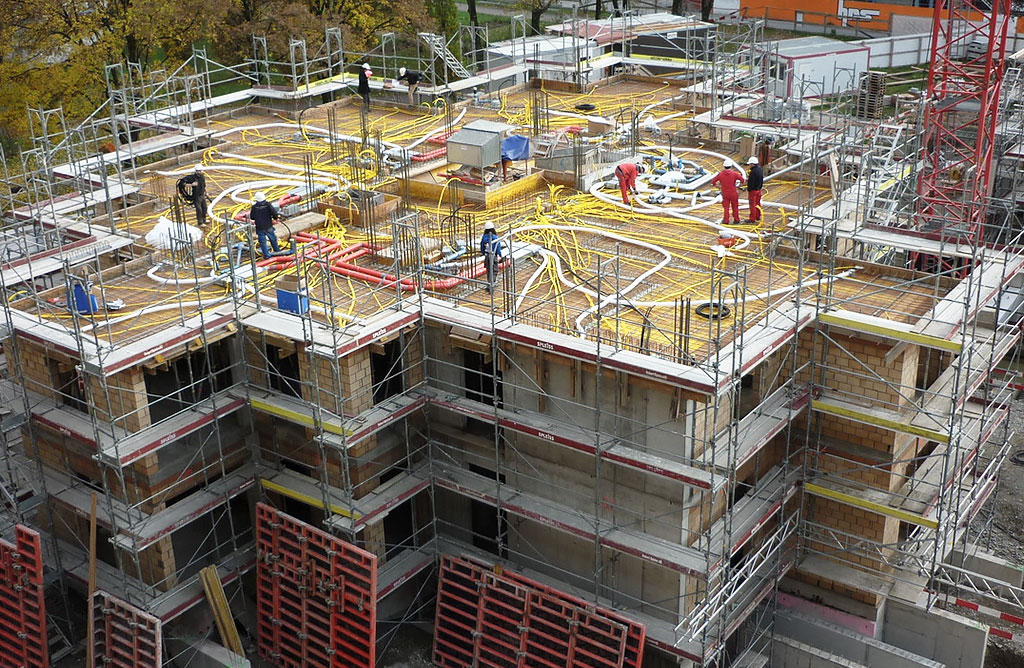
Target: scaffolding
[(653, 460)]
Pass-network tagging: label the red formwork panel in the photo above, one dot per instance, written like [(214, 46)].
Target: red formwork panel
[(316, 596), (504, 620), (636, 633), (124, 636), (458, 605), (23, 622)]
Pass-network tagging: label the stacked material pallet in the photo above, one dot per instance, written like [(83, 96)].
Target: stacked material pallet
[(871, 95)]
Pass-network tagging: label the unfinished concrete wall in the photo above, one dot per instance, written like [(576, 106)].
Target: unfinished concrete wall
[(843, 644), (946, 637)]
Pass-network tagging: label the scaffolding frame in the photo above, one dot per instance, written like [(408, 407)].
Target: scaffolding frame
[(736, 535)]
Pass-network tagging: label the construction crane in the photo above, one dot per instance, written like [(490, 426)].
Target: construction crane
[(960, 120)]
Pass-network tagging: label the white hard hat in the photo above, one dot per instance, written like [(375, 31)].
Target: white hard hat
[(401, 71), (640, 166), (261, 197), (488, 225), (198, 166), (727, 163), (752, 160), (366, 66), (725, 234)]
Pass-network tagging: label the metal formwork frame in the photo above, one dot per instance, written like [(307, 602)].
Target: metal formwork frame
[(316, 596), (23, 638), (504, 620), (124, 636)]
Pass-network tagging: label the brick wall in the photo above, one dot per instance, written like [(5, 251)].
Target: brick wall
[(353, 372), (121, 399)]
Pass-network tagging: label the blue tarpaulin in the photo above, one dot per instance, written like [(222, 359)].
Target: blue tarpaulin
[(515, 147)]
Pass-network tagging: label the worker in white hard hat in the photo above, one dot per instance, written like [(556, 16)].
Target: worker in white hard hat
[(755, 187), (412, 78), (192, 190), (490, 248), (727, 180), (263, 214), (363, 88)]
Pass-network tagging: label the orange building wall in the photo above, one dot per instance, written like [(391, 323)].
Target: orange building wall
[(866, 15)]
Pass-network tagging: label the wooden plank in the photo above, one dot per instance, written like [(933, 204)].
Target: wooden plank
[(873, 500), (214, 590), (889, 329), (878, 417)]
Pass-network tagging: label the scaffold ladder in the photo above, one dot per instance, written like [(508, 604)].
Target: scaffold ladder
[(440, 50)]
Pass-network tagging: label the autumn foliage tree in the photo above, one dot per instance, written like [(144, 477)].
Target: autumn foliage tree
[(53, 52)]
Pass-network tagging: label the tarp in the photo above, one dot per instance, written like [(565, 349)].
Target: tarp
[(515, 147), (166, 233)]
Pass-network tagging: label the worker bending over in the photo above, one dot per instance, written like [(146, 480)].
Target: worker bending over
[(727, 180), (363, 88), (490, 248), (755, 185), (263, 214), (626, 174), (192, 190), (413, 79)]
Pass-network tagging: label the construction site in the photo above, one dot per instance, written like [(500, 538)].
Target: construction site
[(648, 439)]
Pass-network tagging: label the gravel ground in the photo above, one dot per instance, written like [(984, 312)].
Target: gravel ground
[(1006, 539)]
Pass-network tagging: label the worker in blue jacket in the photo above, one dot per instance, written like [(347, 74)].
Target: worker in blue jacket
[(490, 248)]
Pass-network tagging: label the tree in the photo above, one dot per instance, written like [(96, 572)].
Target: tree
[(705, 9), (537, 9), (445, 14), (52, 52)]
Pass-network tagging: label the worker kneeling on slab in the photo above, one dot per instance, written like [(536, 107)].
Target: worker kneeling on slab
[(626, 173), (413, 79), (727, 180), (490, 248), (263, 214)]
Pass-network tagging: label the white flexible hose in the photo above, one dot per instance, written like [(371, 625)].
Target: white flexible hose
[(435, 133), (295, 126), (529, 282)]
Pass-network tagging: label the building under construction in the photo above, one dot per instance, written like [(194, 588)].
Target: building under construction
[(652, 439)]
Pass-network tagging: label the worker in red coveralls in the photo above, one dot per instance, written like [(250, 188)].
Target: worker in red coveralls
[(727, 180), (626, 174)]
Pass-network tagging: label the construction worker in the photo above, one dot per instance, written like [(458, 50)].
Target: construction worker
[(626, 174), (192, 190), (727, 180), (262, 215), (490, 248), (755, 185), (413, 79), (363, 88)]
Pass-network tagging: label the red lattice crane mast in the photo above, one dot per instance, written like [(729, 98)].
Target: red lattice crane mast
[(960, 120)]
